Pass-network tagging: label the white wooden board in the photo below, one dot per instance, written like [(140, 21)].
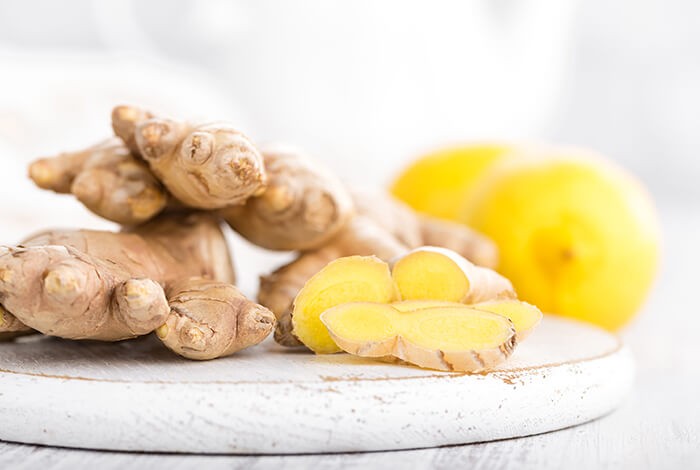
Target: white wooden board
[(136, 396)]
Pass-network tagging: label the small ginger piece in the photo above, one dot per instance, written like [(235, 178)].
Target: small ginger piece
[(433, 273), (456, 338), (349, 279), (210, 319), (525, 317), (303, 206), (207, 166), (107, 179)]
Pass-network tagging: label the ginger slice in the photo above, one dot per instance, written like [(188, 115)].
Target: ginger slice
[(349, 279), (525, 317), (457, 338), (411, 305), (429, 273)]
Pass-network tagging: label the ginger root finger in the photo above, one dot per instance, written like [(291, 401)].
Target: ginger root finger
[(349, 279), (108, 179), (207, 166), (124, 121), (442, 338), (57, 173), (303, 206), (433, 273), (525, 317), (210, 319), (88, 284)]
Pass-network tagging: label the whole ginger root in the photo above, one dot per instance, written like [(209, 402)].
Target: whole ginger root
[(277, 198), (111, 286)]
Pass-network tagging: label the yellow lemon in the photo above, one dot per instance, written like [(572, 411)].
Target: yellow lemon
[(438, 183), (577, 235)]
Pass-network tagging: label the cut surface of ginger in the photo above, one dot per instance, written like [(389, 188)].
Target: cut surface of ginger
[(349, 279), (425, 275), (453, 338), (525, 317), (430, 273), (410, 305)]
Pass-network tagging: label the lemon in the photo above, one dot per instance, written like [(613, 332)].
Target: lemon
[(577, 235), (438, 183)]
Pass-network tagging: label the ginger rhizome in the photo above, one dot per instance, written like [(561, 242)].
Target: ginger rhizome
[(278, 198), (109, 286), (206, 166), (210, 319), (303, 206), (455, 338), (420, 297)]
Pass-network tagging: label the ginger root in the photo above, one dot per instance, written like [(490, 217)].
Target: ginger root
[(10, 327), (109, 286), (206, 166), (107, 178), (303, 206), (210, 319), (88, 284), (456, 338)]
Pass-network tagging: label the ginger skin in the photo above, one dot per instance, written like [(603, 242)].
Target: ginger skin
[(303, 206), (172, 275), (210, 319), (107, 286), (10, 327), (107, 178), (207, 166)]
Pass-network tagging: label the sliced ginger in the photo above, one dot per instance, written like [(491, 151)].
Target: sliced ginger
[(430, 273), (455, 338), (411, 305), (349, 279), (525, 317)]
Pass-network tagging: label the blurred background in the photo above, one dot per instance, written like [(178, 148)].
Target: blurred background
[(364, 85)]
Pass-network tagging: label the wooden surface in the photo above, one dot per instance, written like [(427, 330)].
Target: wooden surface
[(657, 427), (137, 396)]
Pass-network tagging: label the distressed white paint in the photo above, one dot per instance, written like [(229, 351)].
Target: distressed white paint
[(136, 396)]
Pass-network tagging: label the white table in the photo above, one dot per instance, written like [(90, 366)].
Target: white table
[(658, 427)]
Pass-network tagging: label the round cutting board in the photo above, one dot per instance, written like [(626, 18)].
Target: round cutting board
[(137, 396)]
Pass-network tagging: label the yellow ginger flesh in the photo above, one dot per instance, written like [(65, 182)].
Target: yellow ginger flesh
[(456, 338), (350, 279)]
